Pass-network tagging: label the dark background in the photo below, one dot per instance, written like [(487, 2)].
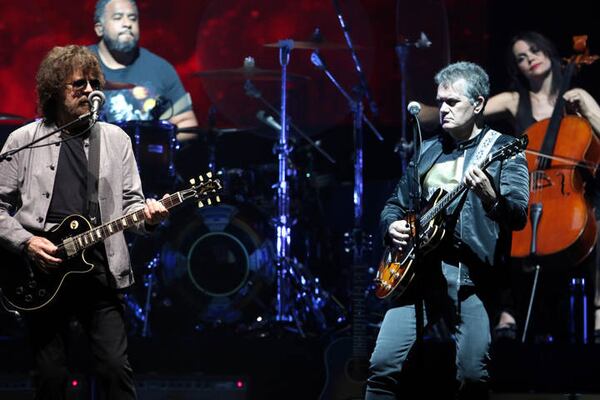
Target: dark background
[(200, 36)]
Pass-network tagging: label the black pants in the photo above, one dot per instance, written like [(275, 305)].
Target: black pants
[(99, 310)]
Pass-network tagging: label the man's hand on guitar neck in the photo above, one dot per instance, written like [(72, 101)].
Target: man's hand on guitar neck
[(155, 212), (41, 251), (480, 184), (399, 233)]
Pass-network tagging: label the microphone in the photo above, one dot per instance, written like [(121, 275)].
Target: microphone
[(414, 108), (423, 41), (96, 99), (268, 120), (318, 62)]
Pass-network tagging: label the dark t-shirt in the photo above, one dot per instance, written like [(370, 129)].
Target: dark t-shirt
[(154, 77), (69, 196)]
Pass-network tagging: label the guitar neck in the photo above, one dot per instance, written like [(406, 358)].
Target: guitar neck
[(431, 213), (102, 232)]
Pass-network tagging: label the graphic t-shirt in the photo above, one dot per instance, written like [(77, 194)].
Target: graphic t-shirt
[(155, 79)]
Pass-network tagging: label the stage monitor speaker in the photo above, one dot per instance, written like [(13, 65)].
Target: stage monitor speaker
[(19, 387), (544, 396), (190, 387)]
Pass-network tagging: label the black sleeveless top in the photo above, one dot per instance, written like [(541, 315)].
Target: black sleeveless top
[(524, 118)]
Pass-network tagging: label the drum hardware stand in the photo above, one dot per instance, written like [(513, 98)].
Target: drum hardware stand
[(149, 282), (535, 214), (284, 310), (212, 139), (142, 313), (252, 91), (293, 300)]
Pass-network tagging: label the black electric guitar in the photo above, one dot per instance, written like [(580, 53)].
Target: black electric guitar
[(396, 266), (25, 286)]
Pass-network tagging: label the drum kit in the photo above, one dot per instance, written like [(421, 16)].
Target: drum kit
[(223, 266)]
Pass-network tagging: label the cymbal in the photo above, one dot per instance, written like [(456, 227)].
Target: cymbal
[(112, 85), (247, 73), (312, 45), (6, 116)]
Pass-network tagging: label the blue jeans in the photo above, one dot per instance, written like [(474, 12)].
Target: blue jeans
[(468, 323)]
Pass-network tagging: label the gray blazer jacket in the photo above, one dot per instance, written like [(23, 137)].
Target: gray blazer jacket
[(27, 181)]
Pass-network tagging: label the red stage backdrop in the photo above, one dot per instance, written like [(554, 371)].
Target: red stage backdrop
[(200, 35)]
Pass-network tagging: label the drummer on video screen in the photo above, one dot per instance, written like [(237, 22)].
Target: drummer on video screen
[(141, 85)]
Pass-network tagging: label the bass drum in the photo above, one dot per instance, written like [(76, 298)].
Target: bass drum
[(218, 265)]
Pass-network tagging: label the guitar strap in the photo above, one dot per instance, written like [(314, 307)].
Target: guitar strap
[(484, 147), (481, 152), (93, 175)]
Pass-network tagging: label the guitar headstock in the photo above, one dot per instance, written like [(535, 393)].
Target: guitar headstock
[(205, 189)]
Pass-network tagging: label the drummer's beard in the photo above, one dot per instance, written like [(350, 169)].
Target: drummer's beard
[(114, 45)]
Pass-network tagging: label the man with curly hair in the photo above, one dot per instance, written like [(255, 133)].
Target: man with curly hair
[(45, 183)]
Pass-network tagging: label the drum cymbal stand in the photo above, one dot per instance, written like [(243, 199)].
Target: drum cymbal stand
[(297, 296), (140, 314)]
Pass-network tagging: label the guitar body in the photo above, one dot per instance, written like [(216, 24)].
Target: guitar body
[(346, 375), (396, 270), (26, 286)]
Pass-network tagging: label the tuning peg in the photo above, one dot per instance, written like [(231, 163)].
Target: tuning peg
[(209, 174), (217, 199), (209, 201), (200, 204), (201, 178), (192, 181)]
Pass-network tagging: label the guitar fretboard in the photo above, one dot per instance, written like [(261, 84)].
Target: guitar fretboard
[(97, 234), (100, 233)]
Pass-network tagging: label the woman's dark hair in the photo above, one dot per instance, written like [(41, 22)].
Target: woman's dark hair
[(59, 65), (541, 43)]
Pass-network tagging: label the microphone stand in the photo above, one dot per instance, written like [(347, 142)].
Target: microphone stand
[(402, 52), (359, 70), (535, 214), (7, 155), (415, 209)]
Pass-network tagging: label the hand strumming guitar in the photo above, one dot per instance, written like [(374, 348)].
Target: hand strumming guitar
[(42, 251), (399, 233)]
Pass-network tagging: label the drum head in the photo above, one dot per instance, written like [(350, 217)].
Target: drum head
[(217, 265)]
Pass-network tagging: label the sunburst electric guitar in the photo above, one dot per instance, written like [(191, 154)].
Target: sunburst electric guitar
[(25, 286), (396, 270)]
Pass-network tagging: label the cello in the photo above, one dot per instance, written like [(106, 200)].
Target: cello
[(561, 227)]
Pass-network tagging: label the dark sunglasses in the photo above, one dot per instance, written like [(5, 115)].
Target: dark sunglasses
[(81, 84)]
